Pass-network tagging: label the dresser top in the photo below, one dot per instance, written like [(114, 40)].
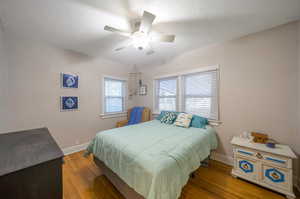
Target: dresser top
[(280, 149), (20, 150)]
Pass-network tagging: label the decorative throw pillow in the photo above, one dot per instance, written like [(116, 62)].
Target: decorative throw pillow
[(199, 122), (162, 113), (184, 120), (168, 118)]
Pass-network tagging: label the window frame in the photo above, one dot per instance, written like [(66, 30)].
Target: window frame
[(156, 91), (180, 106), (122, 113), (216, 98)]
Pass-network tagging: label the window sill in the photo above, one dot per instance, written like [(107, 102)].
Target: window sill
[(113, 115), (215, 122)]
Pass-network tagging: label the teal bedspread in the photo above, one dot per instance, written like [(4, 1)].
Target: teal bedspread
[(154, 159)]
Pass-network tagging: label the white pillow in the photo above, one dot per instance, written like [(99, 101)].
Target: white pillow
[(184, 120)]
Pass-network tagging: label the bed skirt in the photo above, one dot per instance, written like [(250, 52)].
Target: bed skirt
[(121, 186)]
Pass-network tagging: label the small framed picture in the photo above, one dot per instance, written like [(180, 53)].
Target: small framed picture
[(143, 90), (69, 80), (69, 103)]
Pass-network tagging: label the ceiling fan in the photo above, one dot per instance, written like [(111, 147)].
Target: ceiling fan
[(140, 37)]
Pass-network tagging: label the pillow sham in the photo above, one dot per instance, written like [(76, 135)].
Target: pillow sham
[(184, 120), (162, 113), (168, 118), (199, 122)]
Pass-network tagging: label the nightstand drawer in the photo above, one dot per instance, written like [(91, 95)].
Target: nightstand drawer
[(268, 158), (278, 161), (245, 152), (276, 177), (247, 168)]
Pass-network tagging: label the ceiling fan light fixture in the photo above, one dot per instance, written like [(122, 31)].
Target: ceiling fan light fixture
[(140, 40)]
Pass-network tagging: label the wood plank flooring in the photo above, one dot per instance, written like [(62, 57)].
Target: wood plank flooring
[(82, 179)]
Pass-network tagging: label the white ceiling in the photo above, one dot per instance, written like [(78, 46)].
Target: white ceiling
[(78, 24)]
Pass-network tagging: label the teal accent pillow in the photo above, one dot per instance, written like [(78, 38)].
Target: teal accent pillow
[(169, 118), (199, 122), (162, 113)]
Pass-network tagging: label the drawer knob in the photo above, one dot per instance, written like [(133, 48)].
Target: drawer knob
[(259, 156)]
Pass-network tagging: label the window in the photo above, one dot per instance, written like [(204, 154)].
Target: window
[(114, 95), (193, 92), (166, 94), (200, 94)]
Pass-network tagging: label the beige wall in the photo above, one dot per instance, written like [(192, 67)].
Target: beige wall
[(258, 84), (298, 135), (4, 115), (299, 78), (34, 91)]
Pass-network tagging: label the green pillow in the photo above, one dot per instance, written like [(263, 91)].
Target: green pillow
[(199, 122), (162, 113), (168, 118)]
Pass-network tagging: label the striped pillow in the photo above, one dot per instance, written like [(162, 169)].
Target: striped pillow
[(184, 120)]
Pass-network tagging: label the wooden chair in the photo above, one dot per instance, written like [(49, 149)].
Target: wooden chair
[(146, 116)]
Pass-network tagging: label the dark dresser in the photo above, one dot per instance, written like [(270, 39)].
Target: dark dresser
[(30, 165)]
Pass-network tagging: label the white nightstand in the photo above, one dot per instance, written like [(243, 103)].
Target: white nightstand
[(271, 168)]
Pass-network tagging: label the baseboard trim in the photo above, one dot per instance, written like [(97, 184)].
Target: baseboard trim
[(229, 161), (74, 149), (222, 158)]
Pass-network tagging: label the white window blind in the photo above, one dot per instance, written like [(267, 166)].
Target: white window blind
[(200, 94), (166, 94), (114, 95)]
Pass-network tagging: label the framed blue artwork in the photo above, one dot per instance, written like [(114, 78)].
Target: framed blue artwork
[(69, 103), (69, 80)]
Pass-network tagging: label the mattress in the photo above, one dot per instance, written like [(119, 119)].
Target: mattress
[(152, 158)]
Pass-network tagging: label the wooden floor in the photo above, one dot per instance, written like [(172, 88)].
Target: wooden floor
[(83, 180)]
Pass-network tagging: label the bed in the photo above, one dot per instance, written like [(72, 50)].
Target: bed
[(151, 160)]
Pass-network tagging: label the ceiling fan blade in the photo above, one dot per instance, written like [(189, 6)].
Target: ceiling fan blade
[(164, 38), (150, 52), (118, 31), (146, 22), (121, 48)]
